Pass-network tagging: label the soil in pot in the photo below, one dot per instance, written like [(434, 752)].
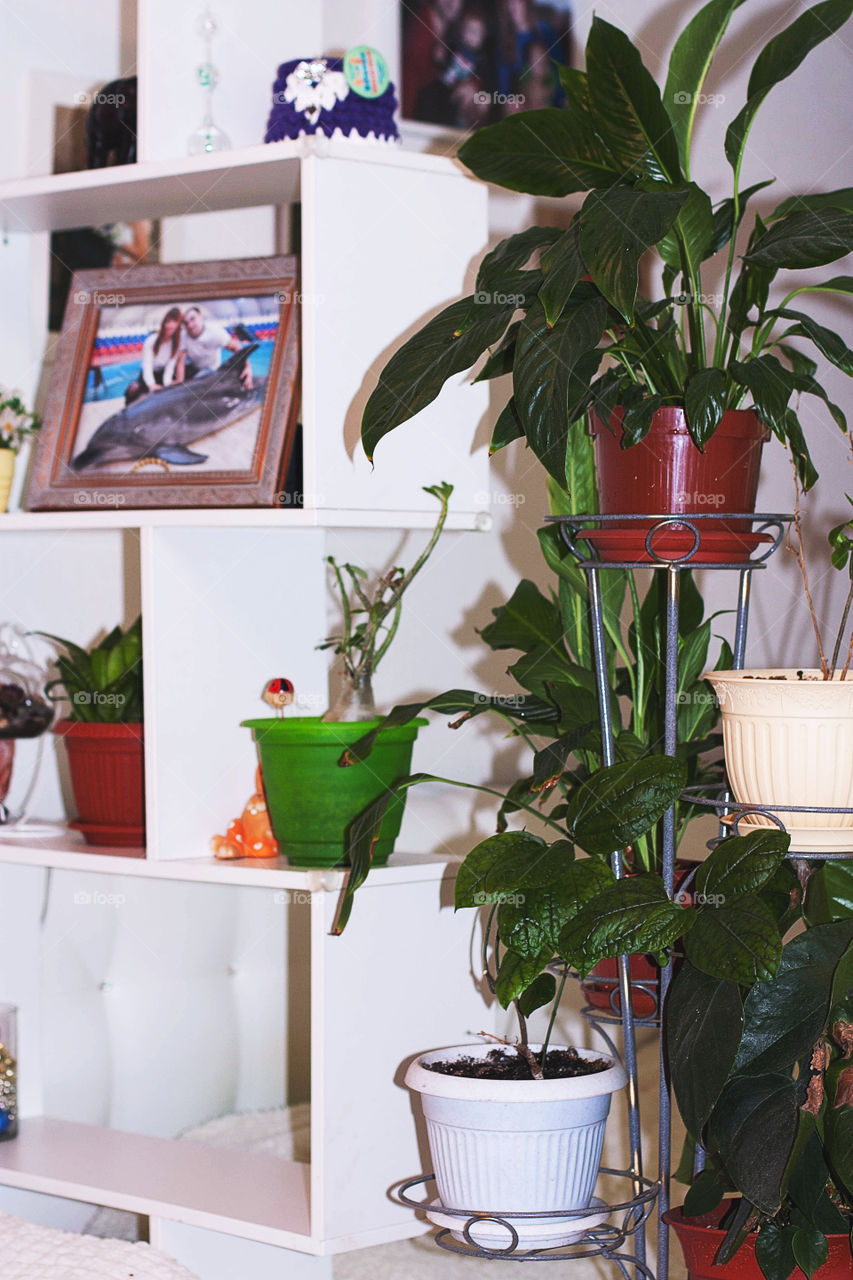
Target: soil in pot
[(509, 1064), (666, 474), (701, 1237)]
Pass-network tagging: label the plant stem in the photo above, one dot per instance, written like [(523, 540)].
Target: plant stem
[(838, 638), (799, 552), (555, 1006)]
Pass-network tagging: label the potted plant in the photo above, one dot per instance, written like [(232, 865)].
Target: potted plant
[(103, 734), (762, 1071), (786, 730), (311, 799), (692, 380), (17, 425)]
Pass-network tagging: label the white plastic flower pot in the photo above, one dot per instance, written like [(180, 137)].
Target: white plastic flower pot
[(523, 1146), (789, 741)]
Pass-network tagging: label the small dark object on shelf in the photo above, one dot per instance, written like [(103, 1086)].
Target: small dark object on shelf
[(508, 1064), (22, 716), (111, 125)]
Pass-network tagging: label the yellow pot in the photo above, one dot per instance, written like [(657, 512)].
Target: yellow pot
[(7, 470)]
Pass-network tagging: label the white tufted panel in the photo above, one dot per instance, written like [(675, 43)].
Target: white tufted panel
[(164, 1004)]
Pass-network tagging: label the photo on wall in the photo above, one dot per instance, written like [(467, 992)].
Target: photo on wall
[(467, 63), (173, 386)]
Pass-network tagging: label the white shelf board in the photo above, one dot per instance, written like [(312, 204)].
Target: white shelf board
[(234, 518), (268, 174), (71, 853), (254, 1196)]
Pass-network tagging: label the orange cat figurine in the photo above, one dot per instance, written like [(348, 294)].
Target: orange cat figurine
[(250, 835)]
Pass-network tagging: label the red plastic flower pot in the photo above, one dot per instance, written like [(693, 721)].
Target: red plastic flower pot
[(701, 1237), (105, 762), (666, 474)]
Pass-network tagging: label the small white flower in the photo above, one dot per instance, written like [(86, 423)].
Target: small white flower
[(313, 88)]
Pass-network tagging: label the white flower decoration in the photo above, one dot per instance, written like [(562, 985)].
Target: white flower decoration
[(313, 88)]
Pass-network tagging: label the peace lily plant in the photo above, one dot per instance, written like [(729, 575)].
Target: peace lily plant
[(561, 309)]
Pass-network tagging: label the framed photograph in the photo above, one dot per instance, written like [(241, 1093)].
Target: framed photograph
[(467, 63), (174, 385)]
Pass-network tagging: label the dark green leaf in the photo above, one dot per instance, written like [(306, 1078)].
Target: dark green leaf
[(739, 941), (774, 1250), (704, 1017), (507, 428), (688, 66), (512, 255), (540, 992), (416, 373), (562, 268), (550, 761), (633, 915), (810, 1249), (724, 216), (620, 803), (692, 230), (495, 866), (830, 893), (810, 238), (704, 1195), (516, 974), (704, 404), (784, 1017), (806, 472), (617, 227), (771, 386), (627, 106), (637, 420), (753, 1129), (841, 198), (500, 361), (551, 376), (741, 865), (828, 343), (527, 620), (838, 1136), (549, 152)]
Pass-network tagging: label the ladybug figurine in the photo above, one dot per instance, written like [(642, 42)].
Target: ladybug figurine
[(279, 694)]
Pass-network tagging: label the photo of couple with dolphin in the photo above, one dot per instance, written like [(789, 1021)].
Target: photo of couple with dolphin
[(174, 375)]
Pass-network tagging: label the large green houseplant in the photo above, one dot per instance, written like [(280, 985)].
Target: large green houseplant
[(762, 1070), (103, 734), (561, 311)]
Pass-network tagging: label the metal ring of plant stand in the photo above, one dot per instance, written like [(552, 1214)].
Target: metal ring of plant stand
[(571, 526), (607, 1237), (723, 807)]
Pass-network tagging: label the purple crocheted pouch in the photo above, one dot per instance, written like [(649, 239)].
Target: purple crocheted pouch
[(311, 95)]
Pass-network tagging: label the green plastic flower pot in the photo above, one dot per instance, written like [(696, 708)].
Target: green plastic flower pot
[(312, 799)]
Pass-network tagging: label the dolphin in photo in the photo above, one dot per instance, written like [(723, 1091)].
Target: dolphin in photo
[(163, 423)]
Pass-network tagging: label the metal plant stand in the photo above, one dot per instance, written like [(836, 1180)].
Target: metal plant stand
[(608, 1240)]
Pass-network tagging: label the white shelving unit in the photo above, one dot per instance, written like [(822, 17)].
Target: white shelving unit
[(229, 597)]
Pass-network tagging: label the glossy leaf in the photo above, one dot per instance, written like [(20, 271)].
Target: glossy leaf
[(739, 941), (627, 105), (620, 803), (771, 386), (753, 1129), (540, 992), (703, 1029), (512, 254), (784, 1017), (516, 974), (704, 404), (741, 865), (495, 865), (810, 1249), (692, 230), (633, 915), (415, 374), (532, 920), (617, 227), (548, 152), (704, 1194), (724, 216), (507, 428), (841, 198), (552, 372), (830, 893), (688, 66), (562, 268), (828, 343), (637, 420), (528, 619), (774, 1250), (500, 360), (810, 238)]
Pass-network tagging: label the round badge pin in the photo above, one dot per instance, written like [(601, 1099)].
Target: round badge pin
[(366, 71)]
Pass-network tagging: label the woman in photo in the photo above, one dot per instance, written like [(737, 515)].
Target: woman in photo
[(159, 357)]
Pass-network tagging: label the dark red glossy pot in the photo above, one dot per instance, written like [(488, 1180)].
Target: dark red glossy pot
[(105, 762), (666, 474), (601, 986), (701, 1237)]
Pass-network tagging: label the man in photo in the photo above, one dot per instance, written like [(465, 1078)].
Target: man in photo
[(203, 343)]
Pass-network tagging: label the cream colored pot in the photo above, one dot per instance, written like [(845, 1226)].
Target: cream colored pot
[(789, 741)]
